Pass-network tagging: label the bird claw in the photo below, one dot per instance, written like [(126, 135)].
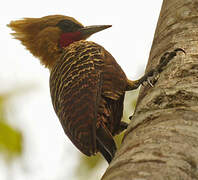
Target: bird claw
[(151, 79), (149, 82), (164, 60), (152, 76), (154, 73)]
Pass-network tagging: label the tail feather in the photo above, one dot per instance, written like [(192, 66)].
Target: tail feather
[(105, 143)]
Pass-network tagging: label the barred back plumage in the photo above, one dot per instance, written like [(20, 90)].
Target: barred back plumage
[(86, 83), (87, 89)]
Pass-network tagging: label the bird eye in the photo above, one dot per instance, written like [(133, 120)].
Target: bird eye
[(68, 26)]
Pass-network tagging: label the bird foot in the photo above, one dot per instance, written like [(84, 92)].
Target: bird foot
[(152, 76), (164, 60)]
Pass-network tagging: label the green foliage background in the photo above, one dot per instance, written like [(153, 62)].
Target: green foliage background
[(10, 138)]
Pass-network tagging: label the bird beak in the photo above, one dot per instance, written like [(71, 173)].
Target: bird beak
[(89, 30)]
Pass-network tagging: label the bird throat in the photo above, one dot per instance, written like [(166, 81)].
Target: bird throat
[(68, 38)]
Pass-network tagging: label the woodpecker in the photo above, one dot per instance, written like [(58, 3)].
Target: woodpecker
[(87, 85)]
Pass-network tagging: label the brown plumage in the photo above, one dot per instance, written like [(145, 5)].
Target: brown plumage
[(87, 85), (90, 86)]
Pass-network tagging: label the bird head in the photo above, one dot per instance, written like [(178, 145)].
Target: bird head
[(46, 37)]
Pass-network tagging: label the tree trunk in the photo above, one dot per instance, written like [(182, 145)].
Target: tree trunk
[(162, 139)]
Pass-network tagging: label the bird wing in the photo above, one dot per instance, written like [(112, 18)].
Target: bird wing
[(114, 78), (85, 73), (76, 91)]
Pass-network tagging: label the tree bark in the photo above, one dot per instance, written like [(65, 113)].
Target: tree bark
[(162, 139)]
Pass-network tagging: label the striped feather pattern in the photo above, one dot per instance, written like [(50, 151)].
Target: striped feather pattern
[(87, 88)]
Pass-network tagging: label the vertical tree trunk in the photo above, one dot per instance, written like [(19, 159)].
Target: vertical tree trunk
[(162, 139)]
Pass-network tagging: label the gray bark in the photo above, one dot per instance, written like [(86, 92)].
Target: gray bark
[(162, 139)]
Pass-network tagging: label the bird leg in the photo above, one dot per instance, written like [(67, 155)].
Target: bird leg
[(165, 59)]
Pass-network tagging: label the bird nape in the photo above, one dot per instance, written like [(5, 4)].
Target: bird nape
[(87, 85)]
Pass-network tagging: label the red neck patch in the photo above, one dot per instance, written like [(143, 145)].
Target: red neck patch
[(68, 38)]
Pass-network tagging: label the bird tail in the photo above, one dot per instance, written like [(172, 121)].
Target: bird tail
[(105, 143)]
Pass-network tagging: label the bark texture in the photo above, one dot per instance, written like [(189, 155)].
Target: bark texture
[(161, 142)]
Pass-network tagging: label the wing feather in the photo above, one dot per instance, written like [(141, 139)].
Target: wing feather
[(76, 90), (85, 73)]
